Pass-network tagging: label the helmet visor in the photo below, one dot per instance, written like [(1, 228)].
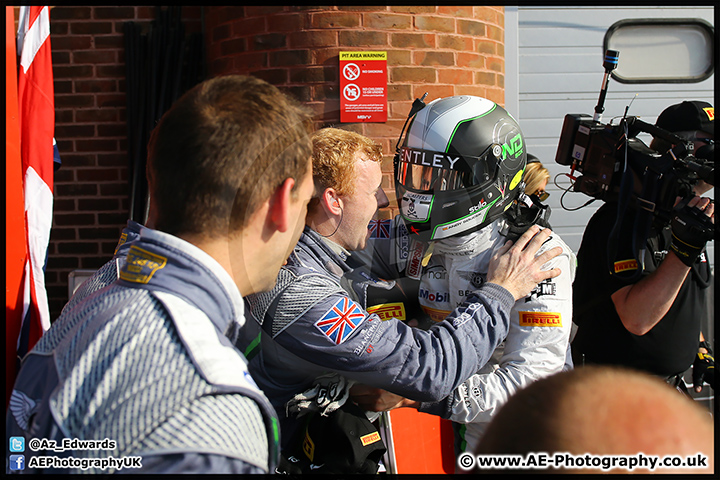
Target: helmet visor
[(427, 170)]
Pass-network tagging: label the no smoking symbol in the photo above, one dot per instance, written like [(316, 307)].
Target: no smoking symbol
[(351, 71)]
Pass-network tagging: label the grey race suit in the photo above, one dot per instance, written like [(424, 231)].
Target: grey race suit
[(310, 324), (537, 342), (109, 272), (145, 362)]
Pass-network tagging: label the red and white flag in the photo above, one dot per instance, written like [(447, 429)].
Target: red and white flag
[(37, 150)]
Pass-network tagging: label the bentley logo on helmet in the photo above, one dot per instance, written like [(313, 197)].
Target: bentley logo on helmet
[(429, 159)]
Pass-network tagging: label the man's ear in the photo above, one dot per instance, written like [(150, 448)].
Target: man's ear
[(280, 203), (330, 201)]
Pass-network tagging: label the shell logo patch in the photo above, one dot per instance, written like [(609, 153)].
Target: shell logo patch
[(540, 319), (370, 438), (141, 265), (386, 311), (624, 265), (435, 314)]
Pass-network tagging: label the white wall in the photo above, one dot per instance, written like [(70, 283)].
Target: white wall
[(553, 65)]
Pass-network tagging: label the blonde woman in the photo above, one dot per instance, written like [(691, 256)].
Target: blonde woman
[(536, 178)]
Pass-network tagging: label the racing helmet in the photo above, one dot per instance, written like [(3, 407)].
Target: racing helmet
[(459, 168)]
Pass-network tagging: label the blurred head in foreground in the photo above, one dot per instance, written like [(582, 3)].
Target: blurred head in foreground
[(602, 411)]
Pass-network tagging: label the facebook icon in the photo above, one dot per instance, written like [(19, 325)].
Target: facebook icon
[(17, 462)]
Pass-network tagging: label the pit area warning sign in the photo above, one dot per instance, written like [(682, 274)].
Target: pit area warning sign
[(363, 87)]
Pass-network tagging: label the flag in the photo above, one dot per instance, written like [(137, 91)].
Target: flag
[(38, 152), (341, 320), (379, 228), (15, 239)]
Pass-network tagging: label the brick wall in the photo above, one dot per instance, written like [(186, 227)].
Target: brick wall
[(91, 187), (440, 50), (436, 49)]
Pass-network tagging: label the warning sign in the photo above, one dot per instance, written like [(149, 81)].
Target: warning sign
[(363, 87)]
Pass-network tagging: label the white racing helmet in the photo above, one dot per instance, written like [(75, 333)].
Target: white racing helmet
[(459, 168)]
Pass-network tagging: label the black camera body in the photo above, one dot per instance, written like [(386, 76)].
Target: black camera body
[(618, 167), (613, 162), (590, 147)]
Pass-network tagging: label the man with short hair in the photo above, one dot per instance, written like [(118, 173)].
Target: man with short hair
[(315, 321), (612, 414), (145, 362)]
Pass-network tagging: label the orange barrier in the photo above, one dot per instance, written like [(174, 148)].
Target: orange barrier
[(419, 442)]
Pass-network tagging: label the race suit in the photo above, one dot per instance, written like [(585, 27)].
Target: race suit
[(109, 272), (145, 363), (537, 343), (540, 324), (314, 322)]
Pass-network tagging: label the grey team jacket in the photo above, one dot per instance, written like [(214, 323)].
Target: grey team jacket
[(109, 272), (145, 363), (314, 322)]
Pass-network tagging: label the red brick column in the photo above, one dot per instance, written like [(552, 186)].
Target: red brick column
[(440, 50)]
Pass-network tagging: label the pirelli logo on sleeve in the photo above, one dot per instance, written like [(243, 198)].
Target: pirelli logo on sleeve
[(370, 438), (625, 265), (540, 319), (386, 311)]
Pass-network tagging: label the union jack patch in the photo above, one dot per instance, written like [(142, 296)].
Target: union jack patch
[(379, 228), (341, 320)]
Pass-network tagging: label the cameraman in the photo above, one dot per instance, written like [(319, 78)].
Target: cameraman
[(653, 324)]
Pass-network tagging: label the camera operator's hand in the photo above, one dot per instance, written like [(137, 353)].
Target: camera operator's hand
[(692, 226), (703, 370)]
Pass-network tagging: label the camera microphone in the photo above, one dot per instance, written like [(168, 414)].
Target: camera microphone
[(611, 60), (610, 63)]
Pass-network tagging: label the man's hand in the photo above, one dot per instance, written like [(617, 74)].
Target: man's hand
[(691, 227), (515, 266), (703, 370), (373, 399)]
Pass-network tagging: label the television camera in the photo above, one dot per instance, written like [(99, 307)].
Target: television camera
[(618, 167)]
